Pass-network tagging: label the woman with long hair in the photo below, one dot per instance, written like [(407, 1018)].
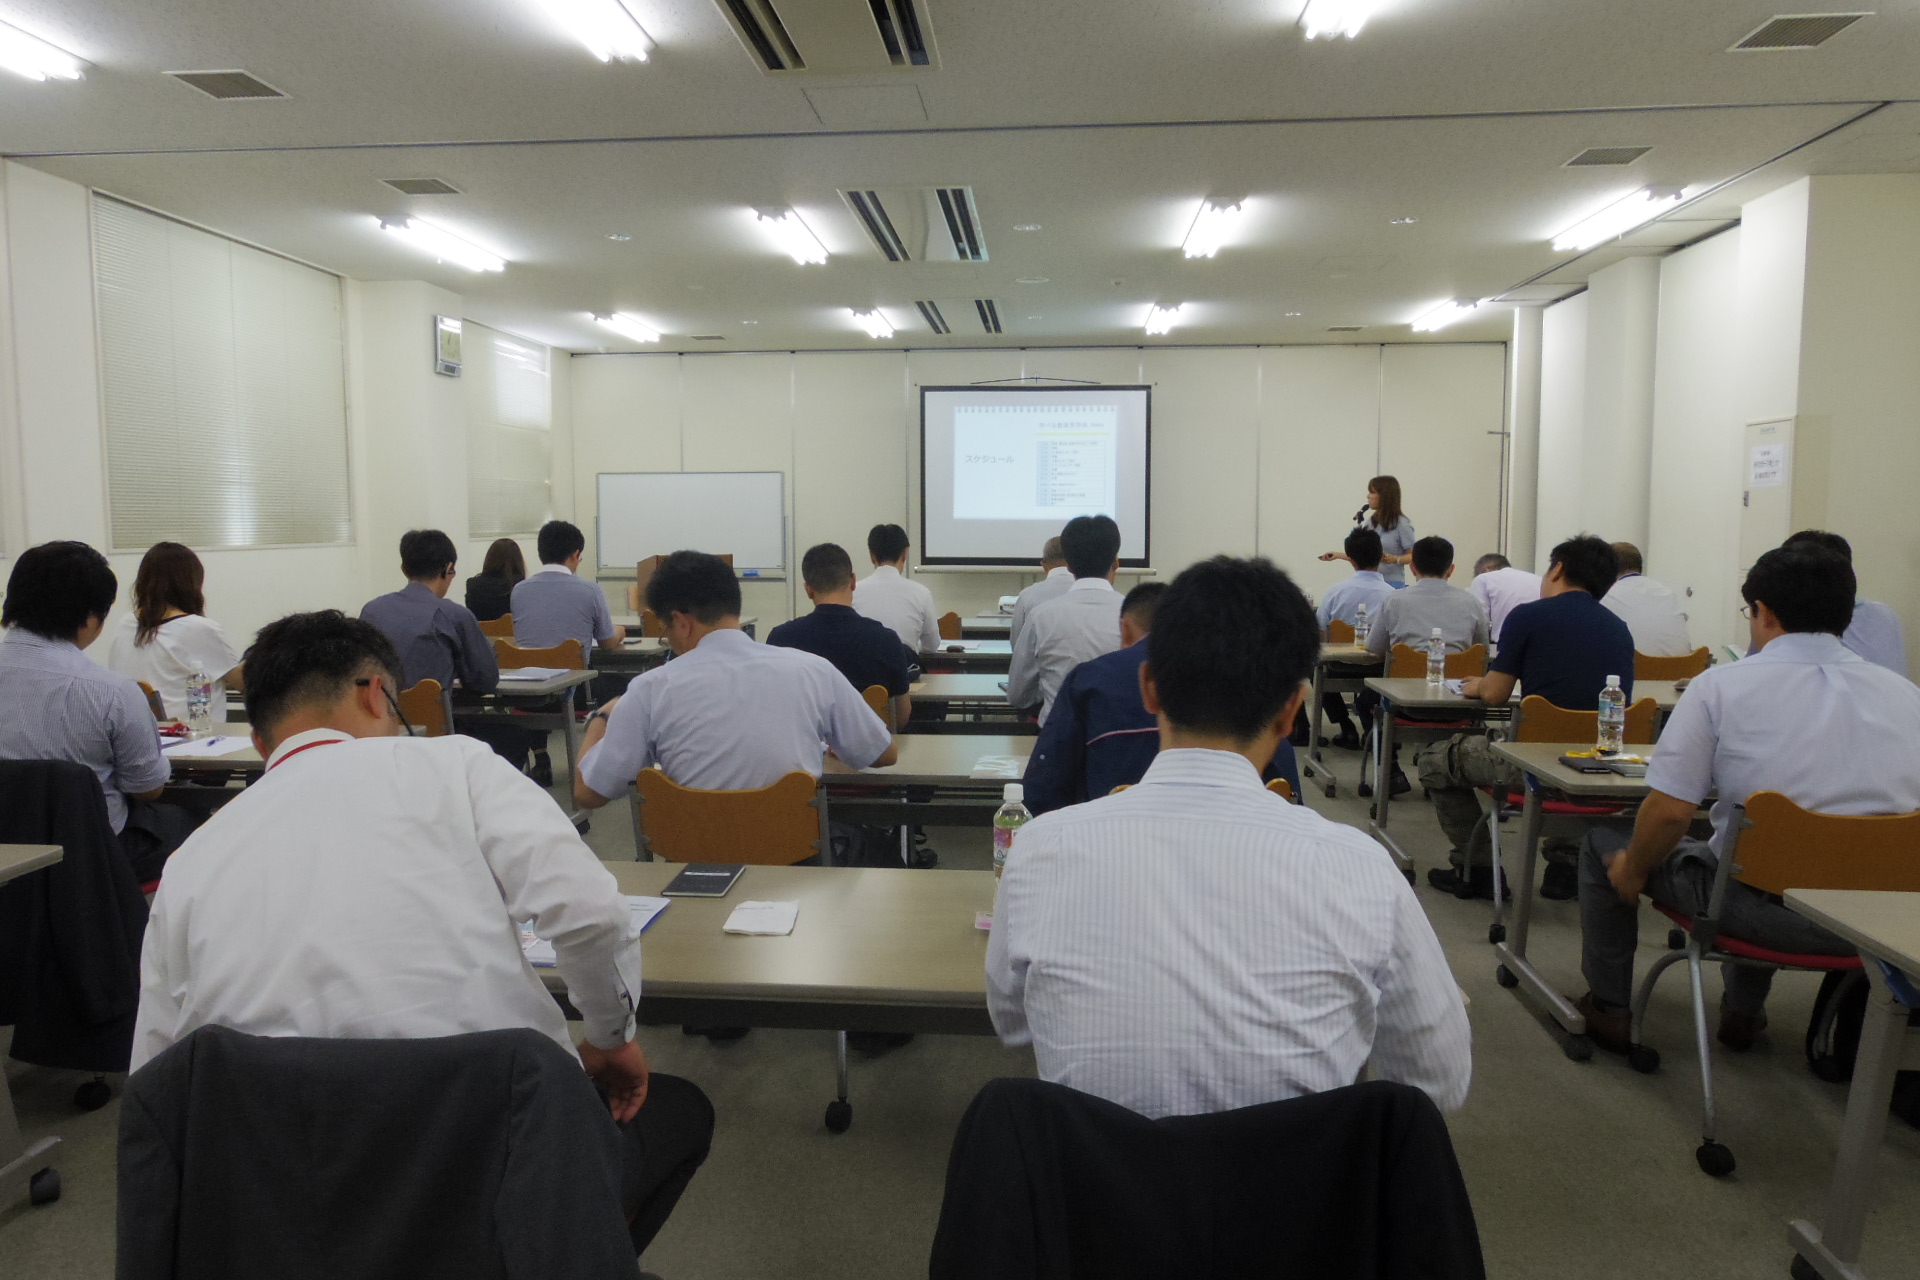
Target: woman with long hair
[(1383, 515), (168, 637), (490, 591)]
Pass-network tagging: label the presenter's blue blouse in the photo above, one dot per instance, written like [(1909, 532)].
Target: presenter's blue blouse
[(1397, 541)]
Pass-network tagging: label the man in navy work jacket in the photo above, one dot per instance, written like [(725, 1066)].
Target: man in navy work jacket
[(1101, 735), (866, 651)]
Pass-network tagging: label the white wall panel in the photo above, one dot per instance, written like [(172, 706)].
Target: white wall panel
[(849, 452), (1563, 382), (1441, 414), (1319, 445), (1206, 448)]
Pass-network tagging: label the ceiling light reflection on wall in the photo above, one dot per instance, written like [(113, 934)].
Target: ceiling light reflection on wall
[(1618, 218), (1335, 18), (1448, 312), (1211, 226), (440, 243), (874, 322), (794, 237), (627, 326), (34, 58), (604, 26), (1162, 319)]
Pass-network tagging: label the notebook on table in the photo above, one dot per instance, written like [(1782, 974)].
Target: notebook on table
[(703, 880)]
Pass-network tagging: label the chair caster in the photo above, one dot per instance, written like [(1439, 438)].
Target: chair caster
[(1373, 811), (1803, 1270), (1364, 790), (1496, 934), (1578, 1049), (1676, 940), (839, 1116), (1645, 1059), (44, 1187), (92, 1095), (1332, 788), (1714, 1159), (1505, 976)]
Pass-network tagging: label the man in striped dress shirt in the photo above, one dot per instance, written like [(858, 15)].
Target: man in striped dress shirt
[(1197, 944)]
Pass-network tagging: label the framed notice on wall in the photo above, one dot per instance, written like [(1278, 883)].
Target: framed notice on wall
[(446, 345)]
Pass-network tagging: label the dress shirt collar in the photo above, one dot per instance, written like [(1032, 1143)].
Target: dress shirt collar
[(420, 591), (1816, 648), (1201, 767), (1429, 585), (1090, 584), (1367, 575), (554, 568), (719, 642), (884, 571), (1623, 577), (1061, 572), (299, 741), (34, 640), (833, 611)]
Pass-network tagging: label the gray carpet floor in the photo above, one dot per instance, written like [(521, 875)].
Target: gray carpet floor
[(1576, 1169)]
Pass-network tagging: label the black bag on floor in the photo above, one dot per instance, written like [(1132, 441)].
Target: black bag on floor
[(859, 844), (1833, 1039)]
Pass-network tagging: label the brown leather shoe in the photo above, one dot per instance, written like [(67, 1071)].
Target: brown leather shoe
[(1610, 1029), (1738, 1030)]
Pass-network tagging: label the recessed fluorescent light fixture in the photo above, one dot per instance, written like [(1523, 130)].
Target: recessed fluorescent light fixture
[(874, 322), (1618, 218), (1211, 226), (1446, 313), (443, 244), (1162, 319), (793, 236), (34, 58), (604, 26), (1334, 18), (627, 327)]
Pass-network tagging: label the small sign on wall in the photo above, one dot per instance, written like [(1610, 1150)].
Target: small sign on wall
[(446, 345), (1767, 466)]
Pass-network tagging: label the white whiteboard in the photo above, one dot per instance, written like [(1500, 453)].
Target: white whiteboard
[(737, 513)]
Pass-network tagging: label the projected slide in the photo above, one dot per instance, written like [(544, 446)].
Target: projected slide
[(1033, 462), (1003, 468)]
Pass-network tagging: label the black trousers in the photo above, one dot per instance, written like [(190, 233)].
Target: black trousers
[(152, 833), (666, 1143)]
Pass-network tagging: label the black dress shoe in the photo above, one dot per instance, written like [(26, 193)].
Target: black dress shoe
[(1401, 785), (1475, 884), (1348, 740), (543, 768), (1561, 882)]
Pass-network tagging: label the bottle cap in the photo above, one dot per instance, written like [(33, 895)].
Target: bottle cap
[(1438, 634), (1613, 682), (1013, 793)]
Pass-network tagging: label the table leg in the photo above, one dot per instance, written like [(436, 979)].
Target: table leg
[(573, 736), (1834, 1250), (1383, 743), (1515, 969)]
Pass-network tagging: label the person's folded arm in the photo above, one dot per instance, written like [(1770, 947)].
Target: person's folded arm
[(1659, 826), (1006, 971), (1494, 688), (475, 661), (1056, 771), (1421, 1034), (157, 1023), (140, 769), (1023, 671), (611, 758)]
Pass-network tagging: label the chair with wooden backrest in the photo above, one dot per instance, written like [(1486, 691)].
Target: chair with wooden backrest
[(881, 701), (1684, 667), (154, 704), (1409, 663), (650, 625), (428, 708), (1774, 845), (566, 656), (1339, 632), (773, 826), (500, 628), (949, 626)]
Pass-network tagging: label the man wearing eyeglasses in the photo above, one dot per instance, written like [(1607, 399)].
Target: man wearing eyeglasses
[(369, 886)]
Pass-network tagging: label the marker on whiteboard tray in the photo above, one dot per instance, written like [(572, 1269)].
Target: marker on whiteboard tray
[(749, 573)]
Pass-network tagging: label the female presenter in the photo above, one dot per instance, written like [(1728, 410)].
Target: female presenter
[(1382, 514)]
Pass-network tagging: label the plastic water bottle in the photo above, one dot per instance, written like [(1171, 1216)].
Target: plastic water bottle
[(1007, 819), (1361, 627), (200, 705), (1613, 718), (1436, 658)]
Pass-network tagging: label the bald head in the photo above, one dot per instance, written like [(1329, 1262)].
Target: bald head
[(1052, 556)]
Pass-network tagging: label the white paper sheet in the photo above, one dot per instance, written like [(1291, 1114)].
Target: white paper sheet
[(1012, 768), (764, 919), (531, 673), (643, 912), (203, 748)]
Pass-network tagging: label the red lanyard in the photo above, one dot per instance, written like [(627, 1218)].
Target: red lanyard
[(305, 746)]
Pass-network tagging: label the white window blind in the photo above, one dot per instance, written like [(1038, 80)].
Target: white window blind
[(223, 388), (509, 433)]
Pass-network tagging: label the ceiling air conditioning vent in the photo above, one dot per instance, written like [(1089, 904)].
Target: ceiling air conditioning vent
[(930, 312), (760, 25), (989, 314), (1797, 31), (1596, 156), (873, 216), (962, 222), (421, 186), (901, 31), (226, 85), (1345, 328), (708, 337)]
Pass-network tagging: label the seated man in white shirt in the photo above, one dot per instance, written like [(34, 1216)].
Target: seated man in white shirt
[(1803, 716), (1500, 588), (369, 885), (1076, 626), (1367, 590), (1055, 578), (1265, 952), (888, 595), (1874, 633), (1650, 609)]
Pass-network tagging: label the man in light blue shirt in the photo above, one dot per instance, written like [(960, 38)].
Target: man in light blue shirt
[(1804, 716), (1366, 587), (552, 604), (1874, 633)]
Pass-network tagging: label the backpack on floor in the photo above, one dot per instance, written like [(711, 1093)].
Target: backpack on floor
[(1833, 1039)]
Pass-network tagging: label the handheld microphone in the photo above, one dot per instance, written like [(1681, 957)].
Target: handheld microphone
[(1359, 517)]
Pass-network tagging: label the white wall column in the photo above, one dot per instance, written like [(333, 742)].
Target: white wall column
[(1523, 438), (1623, 311)]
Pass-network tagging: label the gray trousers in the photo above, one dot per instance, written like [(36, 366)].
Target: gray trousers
[(1610, 928), (1452, 772)]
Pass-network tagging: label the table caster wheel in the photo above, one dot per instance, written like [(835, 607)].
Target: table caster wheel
[(92, 1095), (1578, 1049), (1676, 940), (839, 1116), (1714, 1159), (44, 1186), (1331, 789), (1496, 934), (1364, 790), (1644, 1058), (1506, 977)]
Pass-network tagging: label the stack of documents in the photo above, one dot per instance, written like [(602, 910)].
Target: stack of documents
[(1012, 768), (764, 919), (642, 912)]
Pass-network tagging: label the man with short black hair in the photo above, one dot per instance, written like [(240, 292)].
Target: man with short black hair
[(865, 651), (1410, 614), (1080, 624), (553, 603), (1500, 588), (57, 704), (1343, 601), (1562, 647), (1055, 579), (888, 595), (436, 638), (1650, 609), (368, 885), (1804, 716), (727, 714), (1266, 952), (1875, 632)]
